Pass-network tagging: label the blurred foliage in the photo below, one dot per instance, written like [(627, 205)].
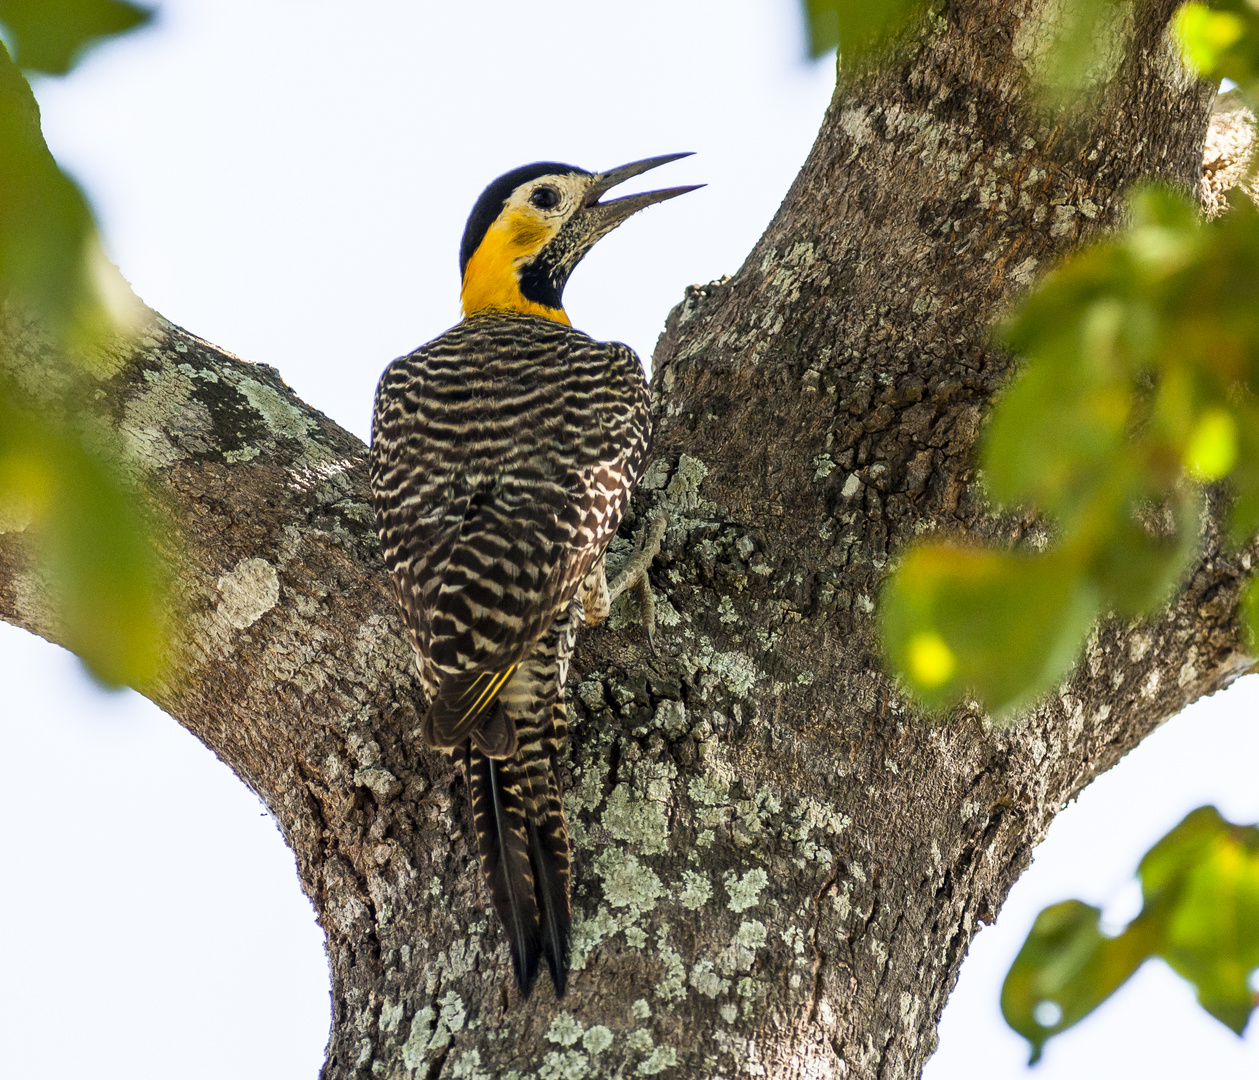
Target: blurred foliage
[(856, 27), (46, 232), (93, 543), (1003, 624), (1222, 41), (1142, 363), (1140, 387), (1079, 46), (1082, 51), (90, 534), (51, 35), (1200, 886)]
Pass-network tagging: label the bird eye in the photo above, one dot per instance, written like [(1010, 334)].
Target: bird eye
[(545, 198)]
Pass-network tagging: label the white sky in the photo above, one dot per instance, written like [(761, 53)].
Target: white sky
[(289, 180)]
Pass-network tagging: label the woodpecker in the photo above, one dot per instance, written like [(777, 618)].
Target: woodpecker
[(503, 456)]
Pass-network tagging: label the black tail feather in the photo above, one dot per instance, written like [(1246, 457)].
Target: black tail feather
[(499, 819), (550, 874), (523, 845)]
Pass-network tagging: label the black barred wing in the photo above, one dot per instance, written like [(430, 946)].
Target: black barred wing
[(503, 455)]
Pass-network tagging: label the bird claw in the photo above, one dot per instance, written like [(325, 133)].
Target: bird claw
[(633, 574)]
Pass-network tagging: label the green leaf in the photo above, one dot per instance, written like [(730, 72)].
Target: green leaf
[(51, 35), (1200, 885), (1212, 935), (1212, 450), (1083, 48), (1221, 40), (91, 538), (1162, 868), (1066, 968), (1003, 626), (94, 545), (50, 255), (45, 224), (857, 27), (1064, 420), (1140, 554), (1091, 333)]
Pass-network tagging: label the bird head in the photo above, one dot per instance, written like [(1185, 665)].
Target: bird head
[(532, 226)]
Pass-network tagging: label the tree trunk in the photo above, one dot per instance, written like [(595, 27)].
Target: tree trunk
[(779, 863)]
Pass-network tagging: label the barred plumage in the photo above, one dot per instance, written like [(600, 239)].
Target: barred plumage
[(503, 457)]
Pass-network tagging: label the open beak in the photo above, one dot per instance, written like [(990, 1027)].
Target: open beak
[(595, 219), (607, 215)]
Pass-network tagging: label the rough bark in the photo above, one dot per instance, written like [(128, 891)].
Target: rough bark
[(779, 863)]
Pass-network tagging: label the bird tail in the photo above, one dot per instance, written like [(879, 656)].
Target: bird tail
[(523, 843)]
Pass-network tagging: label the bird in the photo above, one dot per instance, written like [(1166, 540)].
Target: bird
[(503, 456)]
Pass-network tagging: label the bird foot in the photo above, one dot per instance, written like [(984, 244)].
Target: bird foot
[(633, 574)]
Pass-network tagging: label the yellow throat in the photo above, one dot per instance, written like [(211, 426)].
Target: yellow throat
[(491, 281)]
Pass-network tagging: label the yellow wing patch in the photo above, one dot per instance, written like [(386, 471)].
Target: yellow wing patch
[(490, 683)]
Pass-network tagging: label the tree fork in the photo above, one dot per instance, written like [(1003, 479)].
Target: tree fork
[(779, 863)]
